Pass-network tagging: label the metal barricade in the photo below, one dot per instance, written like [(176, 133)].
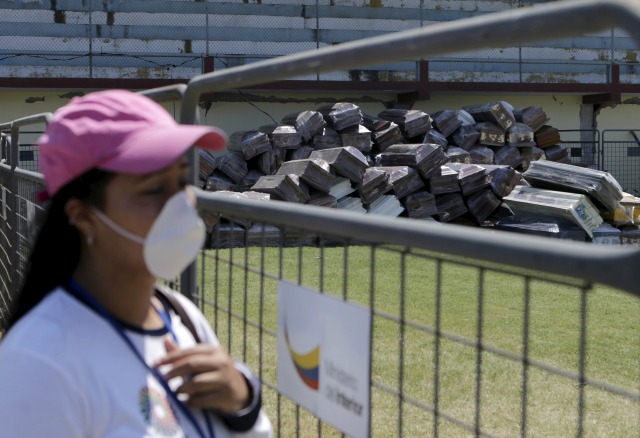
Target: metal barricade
[(19, 209), (517, 356), (474, 332), (621, 157)]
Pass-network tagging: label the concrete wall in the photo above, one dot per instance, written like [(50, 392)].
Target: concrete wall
[(620, 156), (563, 110)]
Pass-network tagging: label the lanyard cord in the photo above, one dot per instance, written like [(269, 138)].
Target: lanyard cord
[(164, 314), (78, 292)]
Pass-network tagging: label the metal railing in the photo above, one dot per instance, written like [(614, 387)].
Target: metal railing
[(474, 332)]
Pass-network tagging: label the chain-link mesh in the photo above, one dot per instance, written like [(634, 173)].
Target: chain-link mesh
[(621, 157), (20, 216), (170, 39), (583, 147)]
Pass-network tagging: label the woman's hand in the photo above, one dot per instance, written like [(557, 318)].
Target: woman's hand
[(211, 380)]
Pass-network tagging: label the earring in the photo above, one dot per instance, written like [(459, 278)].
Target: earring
[(90, 239)]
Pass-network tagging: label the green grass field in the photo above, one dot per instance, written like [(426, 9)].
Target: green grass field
[(613, 335)]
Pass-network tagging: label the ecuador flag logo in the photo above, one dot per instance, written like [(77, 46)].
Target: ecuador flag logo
[(307, 364)]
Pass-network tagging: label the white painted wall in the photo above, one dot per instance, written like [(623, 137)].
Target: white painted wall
[(563, 110)]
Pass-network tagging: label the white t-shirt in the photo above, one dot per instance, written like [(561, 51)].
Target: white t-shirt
[(65, 372)]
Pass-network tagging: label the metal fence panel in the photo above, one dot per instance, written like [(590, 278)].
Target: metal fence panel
[(460, 346), (583, 146), (477, 333), (621, 157), (417, 357), (19, 210)]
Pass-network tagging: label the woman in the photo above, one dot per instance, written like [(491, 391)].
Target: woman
[(94, 348)]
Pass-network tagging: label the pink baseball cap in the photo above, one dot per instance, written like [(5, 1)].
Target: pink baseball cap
[(117, 131)]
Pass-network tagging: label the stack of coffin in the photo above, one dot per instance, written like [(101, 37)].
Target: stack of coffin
[(532, 202), (630, 234), (471, 177), (286, 137), (547, 136), (450, 206), (342, 115), (607, 234), (600, 186), (466, 135), (548, 139), (532, 116), (500, 113), (336, 156), (433, 136), (445, 182), (468, 165), (351, 203), (327, 138), (313, 171), (424, 157), (481, 155), (230, 232), (384, 133), (491, 134), (446, 122), (306, 123), (421, 205), (412, 123), (541, 226), (458, 155), (208, 164), (375, 183), (346, 161), (404, 180), (283, 187), (387, 205)]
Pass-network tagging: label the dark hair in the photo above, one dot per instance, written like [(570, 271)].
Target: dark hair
[(56, 251)]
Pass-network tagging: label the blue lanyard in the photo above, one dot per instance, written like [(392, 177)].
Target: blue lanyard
[(167, 321), (80, 293)]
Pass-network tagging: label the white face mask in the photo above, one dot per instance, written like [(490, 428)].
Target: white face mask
[(174, 239)]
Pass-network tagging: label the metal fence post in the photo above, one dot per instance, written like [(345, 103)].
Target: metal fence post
[(90, 42), (13, 206), (188, 278)]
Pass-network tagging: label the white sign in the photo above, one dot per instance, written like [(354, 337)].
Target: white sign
[(324, 355)]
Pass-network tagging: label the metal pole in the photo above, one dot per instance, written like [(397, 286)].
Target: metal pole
[(13, 208)]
